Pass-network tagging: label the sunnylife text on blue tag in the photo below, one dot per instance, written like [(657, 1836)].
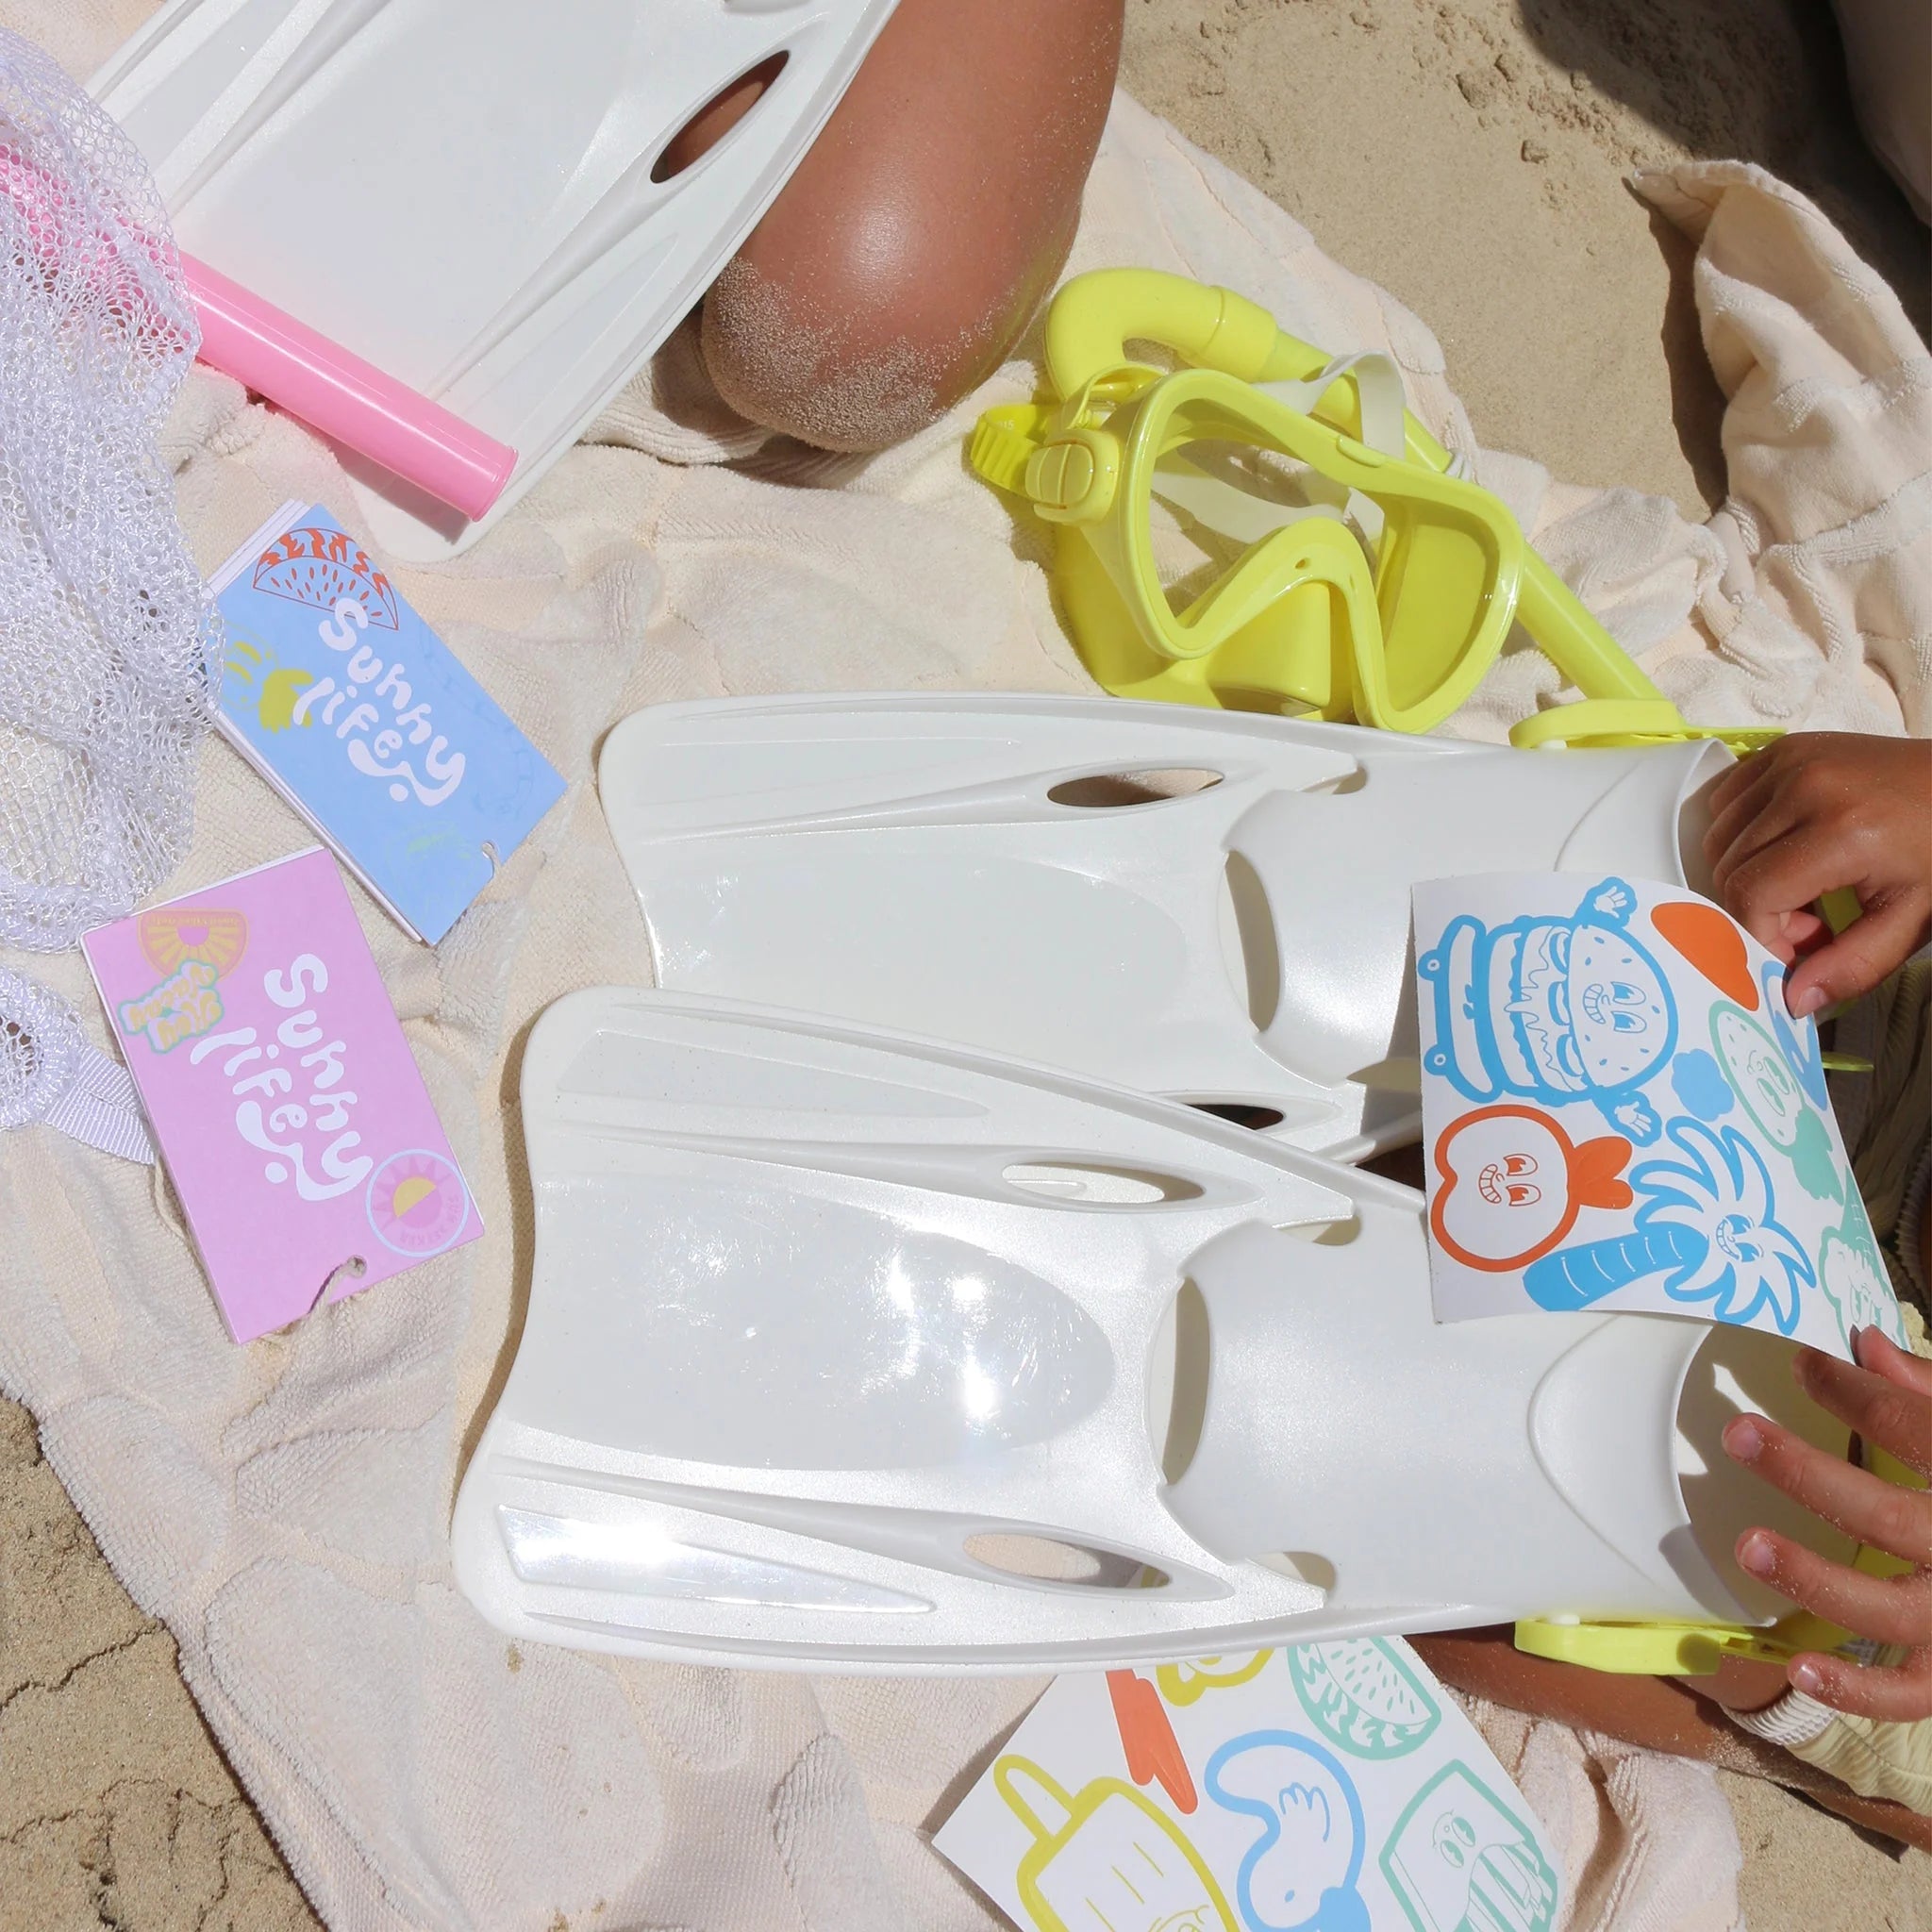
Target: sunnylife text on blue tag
[(1620, 1112), (354, 709)]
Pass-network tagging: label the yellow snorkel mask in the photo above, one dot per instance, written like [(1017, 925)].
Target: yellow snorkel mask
[(1283, 609)]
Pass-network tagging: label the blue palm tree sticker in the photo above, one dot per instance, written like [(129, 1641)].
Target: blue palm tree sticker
[(1706, 1223)]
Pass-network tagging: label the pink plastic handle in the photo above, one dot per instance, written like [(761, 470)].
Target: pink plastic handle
[(345, 397)]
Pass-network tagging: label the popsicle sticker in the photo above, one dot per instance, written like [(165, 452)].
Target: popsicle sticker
[(1187, 1683), (1153, 1752), (1307, 1760), (1460, 1858), (1107, 1859)]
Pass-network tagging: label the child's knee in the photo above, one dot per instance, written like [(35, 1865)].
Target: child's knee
[(917, 237), (857, 364)]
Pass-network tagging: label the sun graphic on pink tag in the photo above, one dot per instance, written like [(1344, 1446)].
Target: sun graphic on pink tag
[(173, 934), (417, 1203)]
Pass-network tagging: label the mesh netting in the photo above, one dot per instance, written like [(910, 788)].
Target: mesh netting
[(107, 638), (40, 1041)]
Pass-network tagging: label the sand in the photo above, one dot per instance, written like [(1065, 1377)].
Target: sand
[(1470, 156), (115, 1807)]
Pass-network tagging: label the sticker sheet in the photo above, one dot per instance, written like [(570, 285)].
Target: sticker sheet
[(353, 709), (1619, 1111), (1329, 1788), (287, 1105)]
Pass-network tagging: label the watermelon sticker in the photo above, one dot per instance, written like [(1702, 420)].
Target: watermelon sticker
[(322, 567), (1361, 1694)]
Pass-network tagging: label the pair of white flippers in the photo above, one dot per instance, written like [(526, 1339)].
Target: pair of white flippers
[(851, 1349)]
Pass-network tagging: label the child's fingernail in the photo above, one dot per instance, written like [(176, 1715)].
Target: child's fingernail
[(1808, 1001), (1741, 1439), (1756, 1553), (1807, 1677)]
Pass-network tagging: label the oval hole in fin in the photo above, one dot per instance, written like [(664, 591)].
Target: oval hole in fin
[(1326, 1234), (1103, 790), (1241, 1113), (717, 118), (1048, 1559), (1340, 787), (1096, 1185), (1399, 1073)]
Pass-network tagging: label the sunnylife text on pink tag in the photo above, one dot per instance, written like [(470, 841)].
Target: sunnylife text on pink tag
[(280, 1091)]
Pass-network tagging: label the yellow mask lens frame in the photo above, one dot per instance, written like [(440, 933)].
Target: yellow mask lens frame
[(1295, 622), (1408, 640), (1299, 621)]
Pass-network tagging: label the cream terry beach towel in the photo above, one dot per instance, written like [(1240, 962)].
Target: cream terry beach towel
[(284, 1508)]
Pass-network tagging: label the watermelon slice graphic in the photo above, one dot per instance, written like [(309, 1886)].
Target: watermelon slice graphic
[(1365, 1694), (317, 566)]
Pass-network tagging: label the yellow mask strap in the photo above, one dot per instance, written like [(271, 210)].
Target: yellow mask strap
[(1004, 438), (1628, 721)]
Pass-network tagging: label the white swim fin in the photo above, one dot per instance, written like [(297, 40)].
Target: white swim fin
[(833, 1335), (969, 868), (463, 192)]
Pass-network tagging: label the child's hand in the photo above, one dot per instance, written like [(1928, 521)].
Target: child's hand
[(1811, 814), (1886, 1401)]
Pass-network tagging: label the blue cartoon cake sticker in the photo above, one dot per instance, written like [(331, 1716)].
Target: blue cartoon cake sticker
[(1554, 1011), (1550, 1007)]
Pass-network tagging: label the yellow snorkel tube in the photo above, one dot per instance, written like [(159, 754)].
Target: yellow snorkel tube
[(1300, 620)]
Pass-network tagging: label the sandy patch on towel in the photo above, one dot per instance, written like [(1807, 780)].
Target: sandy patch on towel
[(1468, 155)]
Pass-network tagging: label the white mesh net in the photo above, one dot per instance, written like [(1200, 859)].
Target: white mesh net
[(107, 638), (40, 1042)]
